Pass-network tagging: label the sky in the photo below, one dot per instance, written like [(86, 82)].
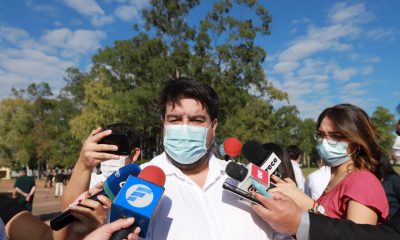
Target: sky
[(321, 53)]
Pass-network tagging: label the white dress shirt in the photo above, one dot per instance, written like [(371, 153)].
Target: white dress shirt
[(187, 212), (317, 181), (298, 175)]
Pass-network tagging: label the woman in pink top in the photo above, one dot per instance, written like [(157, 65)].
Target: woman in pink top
[(346, 141)]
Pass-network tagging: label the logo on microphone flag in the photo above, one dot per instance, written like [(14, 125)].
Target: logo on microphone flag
[(139, 195)]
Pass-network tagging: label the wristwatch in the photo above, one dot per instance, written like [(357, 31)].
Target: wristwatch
[(318, 208)]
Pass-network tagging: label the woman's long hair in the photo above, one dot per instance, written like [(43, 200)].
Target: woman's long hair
[(356, 126)]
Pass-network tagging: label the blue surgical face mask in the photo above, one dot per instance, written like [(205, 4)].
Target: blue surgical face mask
[(185, 143), (333, 154)]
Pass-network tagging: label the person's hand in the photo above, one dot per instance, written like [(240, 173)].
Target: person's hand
[(89, 193), (27, 197), (93, 153), (281, 213), (105, 232), (288, 187)]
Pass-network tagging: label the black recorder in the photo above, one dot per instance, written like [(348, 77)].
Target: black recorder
[(242, 194), (121, 140)]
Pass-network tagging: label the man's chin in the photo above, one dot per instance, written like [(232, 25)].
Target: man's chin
[(192, 166)]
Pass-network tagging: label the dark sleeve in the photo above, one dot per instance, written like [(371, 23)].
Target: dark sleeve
[(322, 227), (8, 208)]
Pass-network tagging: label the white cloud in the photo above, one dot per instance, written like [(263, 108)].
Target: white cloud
[(308, 67), (346, 13), (85, 7), (12, 35), (344, 74), (286, 67), (73, 42), (91, 9), (367, 70), (44, 59), (101, 20), (382, 34), (126, 13)]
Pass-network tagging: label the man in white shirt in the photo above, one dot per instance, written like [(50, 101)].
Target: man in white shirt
[(317, 181), (295, 155), (194, 205)]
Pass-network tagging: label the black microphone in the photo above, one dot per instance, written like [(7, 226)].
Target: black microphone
[(256, 154)]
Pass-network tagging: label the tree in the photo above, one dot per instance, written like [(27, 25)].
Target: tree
[(384, 123), (219, 50)]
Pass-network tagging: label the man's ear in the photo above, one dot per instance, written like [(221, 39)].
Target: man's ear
[(133, 157), (215, 127)]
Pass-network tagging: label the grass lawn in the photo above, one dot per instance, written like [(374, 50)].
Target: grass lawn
[(307, 171)]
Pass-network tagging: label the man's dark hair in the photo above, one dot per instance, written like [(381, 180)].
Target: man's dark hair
[(175, 90), (294, 152), (126, 129)]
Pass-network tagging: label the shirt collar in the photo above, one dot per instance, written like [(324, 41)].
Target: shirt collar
[(216, 168)]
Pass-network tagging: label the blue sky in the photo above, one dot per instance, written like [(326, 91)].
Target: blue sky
[(320, 52)]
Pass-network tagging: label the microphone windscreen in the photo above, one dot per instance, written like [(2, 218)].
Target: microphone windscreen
[(153, 174), (112, 185), (254, 152), (232, 147), (236, 171)]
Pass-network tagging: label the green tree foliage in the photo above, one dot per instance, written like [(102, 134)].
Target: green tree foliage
[(125, 79), (219, 50), (34, 128), (384, 123)]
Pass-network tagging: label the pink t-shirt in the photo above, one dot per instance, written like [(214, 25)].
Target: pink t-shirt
[(361, 186)]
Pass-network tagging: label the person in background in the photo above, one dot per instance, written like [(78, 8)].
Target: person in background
[(59, 184), (317, 181), (396, 145), (110, 166), (347, 142), (24, 189), (391, 184), (285, 169), (295, 157), (84, 175)]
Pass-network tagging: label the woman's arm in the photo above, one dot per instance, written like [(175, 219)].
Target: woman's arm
[(359, 213)]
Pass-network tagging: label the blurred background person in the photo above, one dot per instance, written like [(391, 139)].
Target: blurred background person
[(285, 169), (317, 181), (24, 189), (391, 184), (396, 145), (59, 184), (295, 157)]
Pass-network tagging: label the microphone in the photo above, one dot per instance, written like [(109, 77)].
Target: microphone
[(138, 198), (232, 147), (256, 154), (251, 177), (111, 187)]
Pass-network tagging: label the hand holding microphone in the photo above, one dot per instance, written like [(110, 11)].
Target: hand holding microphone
[(139, 198), (111, 187)]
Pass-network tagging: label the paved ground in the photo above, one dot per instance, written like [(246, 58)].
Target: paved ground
[(44, 201)]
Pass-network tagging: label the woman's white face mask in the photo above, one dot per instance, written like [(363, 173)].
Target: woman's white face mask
[(110, 166)]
